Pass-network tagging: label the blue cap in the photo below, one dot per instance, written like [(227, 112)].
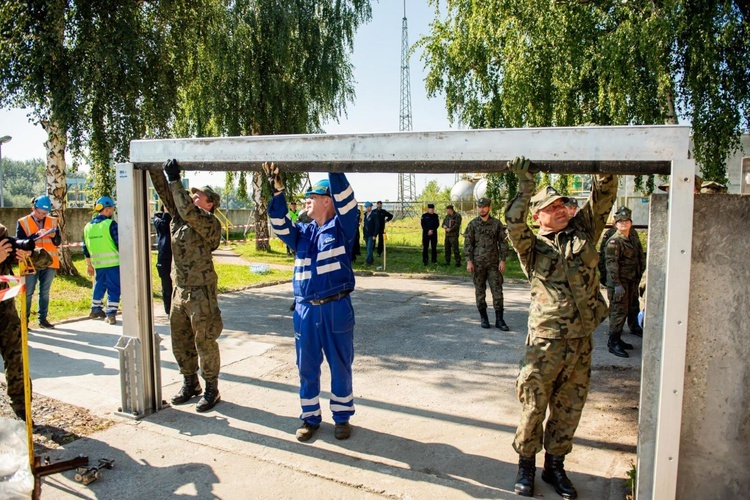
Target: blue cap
[(43, 202), (368, 204), (103, 202), (322, 187)]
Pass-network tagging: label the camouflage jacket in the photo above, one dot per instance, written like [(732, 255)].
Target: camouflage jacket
[(634, 238), (6, 266), (452, 222), (195, 234), (625, 259), (562, 266), (485, 242)]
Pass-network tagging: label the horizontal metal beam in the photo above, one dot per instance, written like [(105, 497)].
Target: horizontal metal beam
[(619, 150)]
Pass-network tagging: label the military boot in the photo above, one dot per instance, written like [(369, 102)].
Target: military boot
[(625, 345), (500, 322), (554, 474), (638, 332), (190, 388), (485, 318), (525, 478), (614, 346), (210, 397)]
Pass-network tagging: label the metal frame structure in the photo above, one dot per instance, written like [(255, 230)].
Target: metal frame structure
[(637, 150)]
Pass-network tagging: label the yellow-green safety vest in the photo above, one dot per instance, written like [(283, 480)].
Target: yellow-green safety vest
[(99, 243)]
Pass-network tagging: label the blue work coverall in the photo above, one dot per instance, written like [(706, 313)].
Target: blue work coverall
[(323, 273)]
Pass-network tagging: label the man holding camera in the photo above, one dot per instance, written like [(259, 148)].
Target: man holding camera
[(10, 327)]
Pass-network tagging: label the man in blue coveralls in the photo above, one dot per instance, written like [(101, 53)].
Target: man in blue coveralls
[(323, 280)]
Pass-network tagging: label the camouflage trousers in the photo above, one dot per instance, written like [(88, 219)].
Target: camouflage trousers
[(625, 309), (485, 274), (10, 348), (555, 374), (451, 246), (195, 321)]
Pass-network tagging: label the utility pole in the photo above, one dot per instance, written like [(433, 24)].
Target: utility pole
[(406, 181)]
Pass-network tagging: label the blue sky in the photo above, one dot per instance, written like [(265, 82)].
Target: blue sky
[(377, 61)]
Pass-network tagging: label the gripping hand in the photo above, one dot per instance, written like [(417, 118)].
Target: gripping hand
[(619, 293), (274, 177), (520, 166), (172, 169)]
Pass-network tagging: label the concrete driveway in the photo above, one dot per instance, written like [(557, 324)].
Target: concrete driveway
[(436, 408)]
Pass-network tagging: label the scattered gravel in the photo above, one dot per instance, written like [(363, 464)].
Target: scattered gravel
[(56, 423)]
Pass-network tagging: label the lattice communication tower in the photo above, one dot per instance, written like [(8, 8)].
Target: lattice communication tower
[(406, 182)]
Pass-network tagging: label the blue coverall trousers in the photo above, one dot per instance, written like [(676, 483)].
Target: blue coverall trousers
[(325, 329)]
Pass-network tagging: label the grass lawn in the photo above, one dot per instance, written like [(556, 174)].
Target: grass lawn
[(403, 254), (70, 296)]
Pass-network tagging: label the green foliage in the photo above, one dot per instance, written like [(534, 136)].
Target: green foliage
[(106, 72), (433, 193), (632, 479), (503, 63), (22, 180), (269, 67)]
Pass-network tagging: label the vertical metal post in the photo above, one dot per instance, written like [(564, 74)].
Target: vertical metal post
[(674, 335), (140, 363)]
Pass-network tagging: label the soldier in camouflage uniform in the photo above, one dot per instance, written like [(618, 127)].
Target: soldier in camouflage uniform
[(195, 318), (10, 330), (635, 241), (486, 248), (566, 307), (452, 225), (625, 266)]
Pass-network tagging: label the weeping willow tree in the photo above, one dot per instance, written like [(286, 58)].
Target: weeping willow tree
[(95, 75), (537, 63), (264, 67)]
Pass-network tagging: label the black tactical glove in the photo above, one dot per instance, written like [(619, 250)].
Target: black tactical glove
[(274, 177), (172, 169), (520, 166)]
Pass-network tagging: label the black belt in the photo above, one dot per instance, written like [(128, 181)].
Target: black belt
[(338, 296)]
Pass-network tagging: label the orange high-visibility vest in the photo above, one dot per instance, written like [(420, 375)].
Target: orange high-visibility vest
[(30, 227)]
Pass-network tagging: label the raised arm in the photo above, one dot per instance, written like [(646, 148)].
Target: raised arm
[(517, 212), (277, 210), (345, 204), (161, 186)]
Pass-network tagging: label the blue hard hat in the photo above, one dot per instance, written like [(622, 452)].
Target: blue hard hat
[(322, 187), (43, 202), (368, 204), (103, 202)]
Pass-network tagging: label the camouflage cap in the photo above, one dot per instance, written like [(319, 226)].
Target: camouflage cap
[(623, 215), (544, 198), (212, 195), (623, 210), (713, 187), (484, 202), (698, 183)]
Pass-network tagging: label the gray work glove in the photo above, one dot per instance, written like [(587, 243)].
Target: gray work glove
[(619, 293), (172, 169), (274, 177), (520, 166)]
